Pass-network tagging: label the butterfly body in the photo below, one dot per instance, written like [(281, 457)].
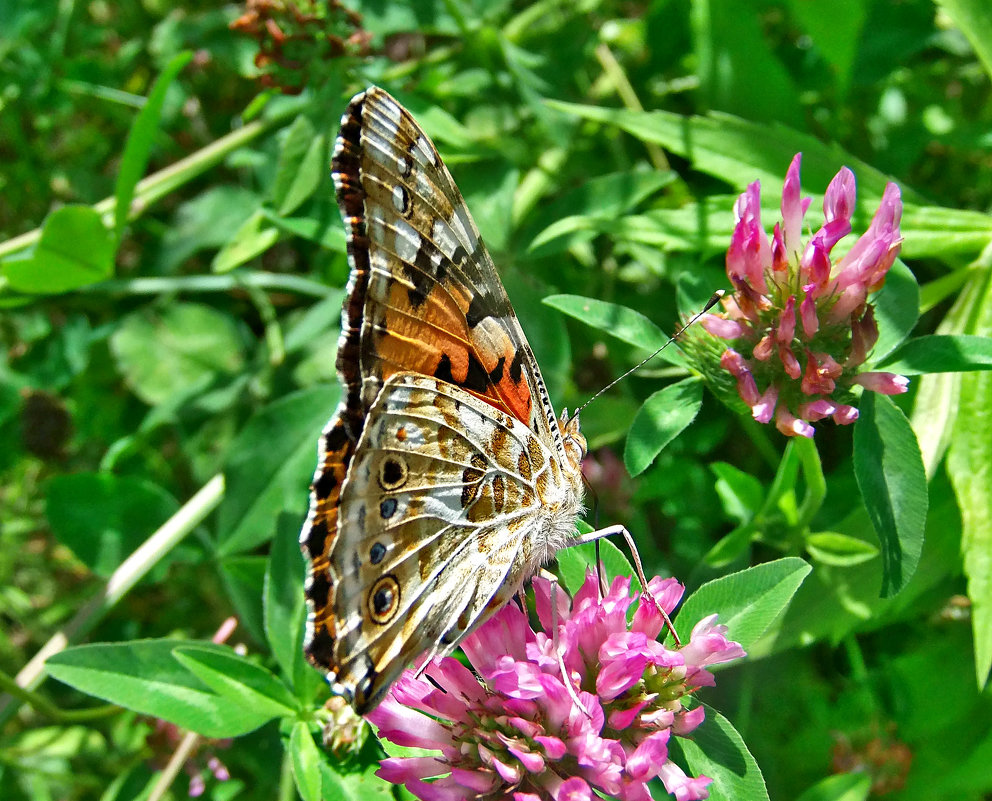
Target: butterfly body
[(444, 479)]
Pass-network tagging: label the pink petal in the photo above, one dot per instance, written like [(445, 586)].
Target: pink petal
[(407, 727), (786, 328), (720, 327), (886, 383), (816, 410), (792, 210), (807, 314), (554, 748), (790, 426), (838, 202), (511, 774), (763, 409), (684, 788), (764, 349), (574, 789), (620, 719), (507, 632), (845, 415), (399, 770), (646, 761), (815, 267), (689, 720), (789, 362), (532, 762)]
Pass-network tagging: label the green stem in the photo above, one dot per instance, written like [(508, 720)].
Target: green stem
[(239, 279), (45, 707), (816, 484), (130, 572), (616, 75), (161, 183)]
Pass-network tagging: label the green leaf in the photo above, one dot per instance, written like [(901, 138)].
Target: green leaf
[(737, 68), (897, 308), (837, 35), (253, 238), (573, 563), (842, 787), (163, 351), (269, 466), (140, 139), (968, 458), (840, 550), (741, 493), (75, 249), (718, 751), (302, 165), (948, 235), (244, 583), (235, 677), (940, 354), (306, 760), (588, 208), (618, 321), (747, 601), (974, 19), (145, 677), (889, 470), (103, 518), (664, 416), (740, 151)]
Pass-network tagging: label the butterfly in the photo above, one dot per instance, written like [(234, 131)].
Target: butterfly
[(444, 478)]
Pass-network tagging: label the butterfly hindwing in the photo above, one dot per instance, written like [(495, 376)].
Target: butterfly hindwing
[(441, 495)]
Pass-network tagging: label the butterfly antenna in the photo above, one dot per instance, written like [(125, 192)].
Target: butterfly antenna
[(714, 299)]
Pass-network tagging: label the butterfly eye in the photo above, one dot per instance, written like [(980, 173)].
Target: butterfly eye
[(384, 600)]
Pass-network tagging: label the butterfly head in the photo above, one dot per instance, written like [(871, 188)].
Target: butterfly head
[(575, 442)]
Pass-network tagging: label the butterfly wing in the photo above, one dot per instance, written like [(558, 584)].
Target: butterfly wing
[(423, 298), (448, 505)]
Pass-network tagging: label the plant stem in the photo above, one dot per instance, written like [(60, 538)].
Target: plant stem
[(629, 97), (130, 572)]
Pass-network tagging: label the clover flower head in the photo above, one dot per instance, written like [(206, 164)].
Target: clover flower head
[(512, 729), (798, 326)]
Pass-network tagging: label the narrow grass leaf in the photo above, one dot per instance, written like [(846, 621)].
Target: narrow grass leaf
[(140, 139), (968, 457)]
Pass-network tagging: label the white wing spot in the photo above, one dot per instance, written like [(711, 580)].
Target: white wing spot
[(391, 114), (426, 151), (407, 241), (399, 198), (444, 238)]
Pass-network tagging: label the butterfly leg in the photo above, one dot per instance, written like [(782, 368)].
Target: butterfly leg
[(556, 645), (609, 531)]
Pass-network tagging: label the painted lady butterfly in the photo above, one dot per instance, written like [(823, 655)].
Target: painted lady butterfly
[(444, 480)]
